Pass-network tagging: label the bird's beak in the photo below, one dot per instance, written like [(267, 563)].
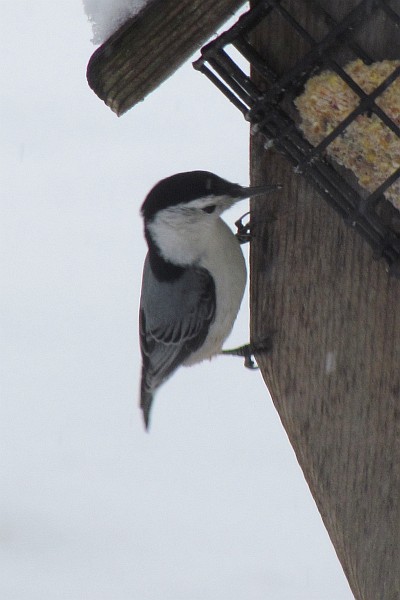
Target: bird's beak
[(258, 190)]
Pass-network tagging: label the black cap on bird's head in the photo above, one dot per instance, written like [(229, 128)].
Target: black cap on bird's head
[(184, 187)]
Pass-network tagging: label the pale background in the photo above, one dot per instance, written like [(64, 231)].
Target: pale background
[(211, 505)]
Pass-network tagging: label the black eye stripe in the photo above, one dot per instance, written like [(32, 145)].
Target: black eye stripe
[(209, 209)]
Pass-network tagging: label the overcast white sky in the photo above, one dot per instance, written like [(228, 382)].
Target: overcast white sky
[(211, 505)]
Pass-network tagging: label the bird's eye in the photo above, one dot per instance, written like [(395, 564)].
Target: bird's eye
[(209, 209)]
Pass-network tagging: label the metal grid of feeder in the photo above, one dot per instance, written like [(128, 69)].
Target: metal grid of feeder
[(267, 100)]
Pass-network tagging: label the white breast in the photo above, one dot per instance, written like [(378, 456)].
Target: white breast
[(208, 243), (224, 260)]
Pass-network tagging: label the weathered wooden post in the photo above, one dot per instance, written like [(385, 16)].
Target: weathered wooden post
[(334, 372)]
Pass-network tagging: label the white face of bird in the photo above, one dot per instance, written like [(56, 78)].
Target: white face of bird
[(183, 231), (200, 212)]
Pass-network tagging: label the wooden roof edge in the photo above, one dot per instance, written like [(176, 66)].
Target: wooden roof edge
[(150, 47)]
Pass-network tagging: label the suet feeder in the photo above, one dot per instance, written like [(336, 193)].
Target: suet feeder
[(334, 113)]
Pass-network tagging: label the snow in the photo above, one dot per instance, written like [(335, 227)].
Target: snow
[(107, 16)]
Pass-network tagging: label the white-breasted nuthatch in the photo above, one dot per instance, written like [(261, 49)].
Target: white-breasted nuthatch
[(194, 274)]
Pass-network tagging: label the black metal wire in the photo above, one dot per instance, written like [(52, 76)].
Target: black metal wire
[(271, 112)]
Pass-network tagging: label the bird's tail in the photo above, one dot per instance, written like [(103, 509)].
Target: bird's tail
[(146, 400)]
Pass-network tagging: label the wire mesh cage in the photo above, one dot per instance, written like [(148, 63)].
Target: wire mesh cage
[(332, 107)]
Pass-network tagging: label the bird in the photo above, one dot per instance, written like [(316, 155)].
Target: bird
[(194, 275)]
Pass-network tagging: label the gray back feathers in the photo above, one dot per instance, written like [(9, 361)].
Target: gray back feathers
[(174, 322)]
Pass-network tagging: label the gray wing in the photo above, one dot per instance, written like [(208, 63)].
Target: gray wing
[(174, 322)]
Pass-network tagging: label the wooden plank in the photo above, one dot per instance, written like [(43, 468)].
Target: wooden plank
[(334, 372), (151, 46)]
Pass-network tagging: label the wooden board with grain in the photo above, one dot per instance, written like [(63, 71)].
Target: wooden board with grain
[(334, 372), (151, 46)]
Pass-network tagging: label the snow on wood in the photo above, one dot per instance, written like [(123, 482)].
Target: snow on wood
[(147, 49), (107, 16)]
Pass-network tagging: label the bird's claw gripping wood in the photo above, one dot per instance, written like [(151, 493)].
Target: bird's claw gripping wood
[(243, 233), (248, 350)]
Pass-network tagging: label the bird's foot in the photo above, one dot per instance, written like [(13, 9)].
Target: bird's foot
[(243, 233), (247, 352)]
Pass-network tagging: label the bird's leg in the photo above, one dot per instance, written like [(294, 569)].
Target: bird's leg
[(243, 232), (247, 352)]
